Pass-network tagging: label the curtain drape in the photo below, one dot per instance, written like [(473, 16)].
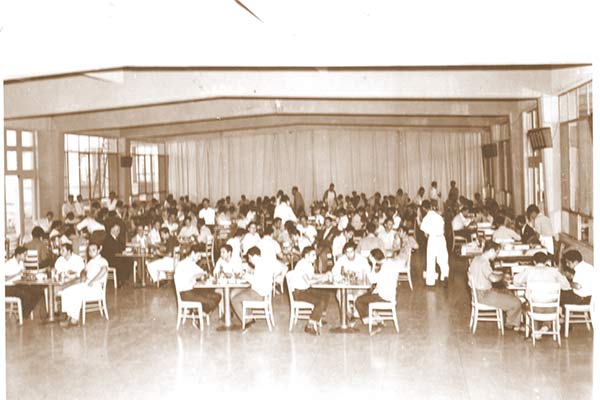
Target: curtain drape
[(365, 160)]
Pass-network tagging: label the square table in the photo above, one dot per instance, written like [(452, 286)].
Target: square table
[(52, 284), (226, 285), (141, 257)]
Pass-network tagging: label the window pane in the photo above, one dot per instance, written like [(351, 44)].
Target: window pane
[(113, 145), (26, 139), (28, 201), (590, 105), (95, 176), (72, 142), (27, 160), (573, 106), (73, 161), (563, 108), (583, 101), (84, 143), (11, 138), (11, 160), (95, 143), (11, 186), (83, 175)]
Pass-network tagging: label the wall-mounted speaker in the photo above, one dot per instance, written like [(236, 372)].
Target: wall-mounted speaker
[(489, 150), (126, 161), (540, 138)]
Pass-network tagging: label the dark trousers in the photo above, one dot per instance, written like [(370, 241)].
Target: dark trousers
[(317, 297), (30, 296), (569, 297), (362, 303), (124, 267), (322, 264), (208, 297)]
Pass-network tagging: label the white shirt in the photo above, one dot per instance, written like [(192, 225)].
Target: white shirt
[(262, 278), (269, 248), (229, 267), (111, 204), (188, 231), (337, 247), (503, 234), (185, 274), (433, 224), (73, 264), (397, 220), (543, 225), (67, 208), (343, 223), (388, 239), (433, 194), (540, 274), (154, 236), (12, 267), (79, 209), (360, 266), (236, 245), (299, 278), (93, 267), (308, 232), (250, 240), (584, 275), (205, 235), (285, 212), (386, 280), (44, 224), (208, 214), (91, 224), (172, 227), (460, 222)]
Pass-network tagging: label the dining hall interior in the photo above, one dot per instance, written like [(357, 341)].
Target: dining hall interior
[(299, 230)]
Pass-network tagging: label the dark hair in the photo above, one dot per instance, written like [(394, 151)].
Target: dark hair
[(67, 246), (164, 230), (195, 248), (520, 220), (307, 250), (37, 232), (426, 204), (377, 254), (573, 255), (500, 220), (268, 230), (253, 251), (540, 257), (227, 248), (371, 227), (532, 209), (349, 245), (490, 245), (20, 250)]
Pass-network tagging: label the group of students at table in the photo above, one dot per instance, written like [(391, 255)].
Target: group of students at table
[(576, 281)]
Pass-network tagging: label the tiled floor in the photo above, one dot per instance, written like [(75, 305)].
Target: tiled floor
[(138, 353)]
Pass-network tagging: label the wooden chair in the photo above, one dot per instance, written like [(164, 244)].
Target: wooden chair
[(112, 274), (96, 302), (544, 306), (259, 309), (31, 260), (14, 303), (298, 309), (483, 312), (386, 311), (185, 310), (405, 273), (577, 314)]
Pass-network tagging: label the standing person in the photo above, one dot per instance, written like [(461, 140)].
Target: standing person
[(329, 198), (434, 195), (324, 241), (284, 211), (90, 284), (433, 227), (482, 277), (543, 226), (299, 281), (298, 203), (418, 200), (453, 193), (528, 235), (186, 275)]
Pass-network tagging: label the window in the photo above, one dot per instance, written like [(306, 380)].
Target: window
[(148, 173), (534, 169), (91, 166), (498, 169), (575, 110), (20, 183)]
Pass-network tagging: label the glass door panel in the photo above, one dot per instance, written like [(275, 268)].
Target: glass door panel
[(13, 209)]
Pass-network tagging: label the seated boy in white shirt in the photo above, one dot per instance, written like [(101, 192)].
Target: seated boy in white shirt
[(30, 296), (582, 279)]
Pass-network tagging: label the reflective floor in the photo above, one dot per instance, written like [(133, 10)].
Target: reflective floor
[(138, 353)]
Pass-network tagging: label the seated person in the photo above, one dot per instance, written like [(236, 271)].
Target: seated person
[(154, 234), (171, 224), (68, 263), (483, 216), (271, 252), (90, 284), (37, 243), (369, 242), (319, 218), (528, 234), (351, 263), (188, 232), (324, 242), (482, 276), (582, 278), (343, 220), (226, 263), (186, 275), (542, 272), (30, 295), (251, 238), (261, 281), (308, 233), (504, 234), (236, 243), (543, 226), (205, 235), (166, 249), (224, 217), (389, 237), (140, 239), (111, 246), (299, 281), (345, 236), (384, 276), (460, 224)]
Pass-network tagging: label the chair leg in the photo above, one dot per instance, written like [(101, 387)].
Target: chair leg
[(370, 319), (105, 308), (178, 318), (588, 318), (557, 330), (476, 317), (83, 312), (19, 312), (268, 318), (501, 319), (396, 320), (201, 318), (291, 319), (567, 316), (115, 279), (243, 317)]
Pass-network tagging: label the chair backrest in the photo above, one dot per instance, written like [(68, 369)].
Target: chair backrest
[(290, 288), (473, 290), (31, 260), (543, 294)]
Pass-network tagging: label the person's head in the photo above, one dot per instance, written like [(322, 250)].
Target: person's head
[(115, 230), (303, 220), (434, 184), (66, 249), (79, 198), (268, 231), (164, 233), (572, 258), (50, 215), (341, 212), (331, 186), (371, 228), (112, 194), (349, 233), (20, 252), (520, 221), (70, 198), (94, 249), (490, 249), (328, 222), (187, 221), (376, 256), (139, 229), (426, 205), (205, 203), (464, 211), (253, 254), (421, 191), (226, 251), (350, 250), (195, 251), (452, 183), (540, 258), (240, 232), (500, 220), (532, 211), (37, 232), (172, 218), (388, 224), (252, 228), (156, 225), (277, 223), (309, 254), (294, 189)]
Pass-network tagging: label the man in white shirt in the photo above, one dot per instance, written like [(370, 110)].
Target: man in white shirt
[(46, 223), (207, 213), (390, 238), (504, 234), (308, 233), (329, 198), (337, 247), (187, 273), (270, 251), (543, 226), (111, 204), (353, 263), (188, 231), (68, 207), (284, 211), (172, 224), (226, 263), (434, 194), (582, 279), (91, 225), (68, 262), (433, 227), (385, 280), (250, 239), (79, 208), (369, 242), (343, 220), (261, 283), (13, 268), (460, 224)]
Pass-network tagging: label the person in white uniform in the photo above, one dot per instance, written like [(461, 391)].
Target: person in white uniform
[(284, 211), (90, 285), (437, 252), (271, 252)]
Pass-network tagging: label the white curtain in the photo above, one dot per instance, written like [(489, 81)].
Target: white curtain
[(365, 160)]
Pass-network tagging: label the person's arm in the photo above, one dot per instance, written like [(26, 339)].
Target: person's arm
[(98, 276), (521, 278)]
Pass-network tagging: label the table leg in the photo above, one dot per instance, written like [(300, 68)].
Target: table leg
[(343, 328), (50, 303), (143, 270), (227, 306)]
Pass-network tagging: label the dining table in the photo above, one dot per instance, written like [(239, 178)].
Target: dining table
[(225, 284), (53, 284), (325, 281), (141, 256)]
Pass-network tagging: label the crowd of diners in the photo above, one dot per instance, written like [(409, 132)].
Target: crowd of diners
[(264, 238)]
